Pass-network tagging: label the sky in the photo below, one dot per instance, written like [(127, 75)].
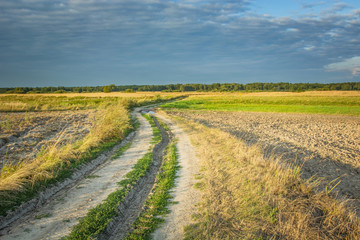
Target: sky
[(125, 42)]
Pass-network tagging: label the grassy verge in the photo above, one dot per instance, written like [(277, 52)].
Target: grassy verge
[(21, 183), (296, 103), (156, 204), (97, 218), (248, 197)]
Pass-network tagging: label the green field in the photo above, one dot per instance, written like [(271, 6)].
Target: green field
[(324, 103)]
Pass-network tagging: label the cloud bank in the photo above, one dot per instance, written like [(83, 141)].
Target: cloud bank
[(350, 64), (92, 42)]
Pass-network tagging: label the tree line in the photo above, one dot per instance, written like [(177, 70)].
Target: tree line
[(215, 87)]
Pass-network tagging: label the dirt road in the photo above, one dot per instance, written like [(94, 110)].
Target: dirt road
[(185, 195), (56, 218)]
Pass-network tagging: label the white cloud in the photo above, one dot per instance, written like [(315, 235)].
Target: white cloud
[(356, 71), (292, 30), (309, 48), (350, 64)]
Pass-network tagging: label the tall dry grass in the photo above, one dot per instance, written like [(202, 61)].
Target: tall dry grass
[(249, 197), (110, 125), (60, 102)]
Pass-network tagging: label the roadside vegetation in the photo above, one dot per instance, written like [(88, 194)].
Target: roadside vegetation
[(248, 196), (21, 182), (347, 103), (97, 218)]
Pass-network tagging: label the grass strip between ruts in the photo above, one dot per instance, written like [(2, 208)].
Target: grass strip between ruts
[(97, 218), (156, 204)]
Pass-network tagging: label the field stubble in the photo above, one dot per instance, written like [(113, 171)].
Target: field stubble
[(325, 146)]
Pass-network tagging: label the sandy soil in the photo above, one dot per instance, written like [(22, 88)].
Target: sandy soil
[(22, 135), (184, 194), (55, 219), (328, 146)]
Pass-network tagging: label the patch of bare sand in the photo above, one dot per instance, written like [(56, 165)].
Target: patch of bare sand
[(185, 195), (56, 218)]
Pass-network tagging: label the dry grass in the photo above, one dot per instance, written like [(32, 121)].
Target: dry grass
[(111, 125), (249, 197), (75, 101), (101, 94)]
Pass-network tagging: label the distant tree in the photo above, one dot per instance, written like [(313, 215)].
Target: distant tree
[(129, 90), (19, 90), (107, 89)]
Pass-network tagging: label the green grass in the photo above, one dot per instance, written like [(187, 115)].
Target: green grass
[(121, 150), (157, 202), (346, 105), (97, 218)]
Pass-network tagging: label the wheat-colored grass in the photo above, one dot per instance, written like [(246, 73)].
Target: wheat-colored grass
[(111, 123), (249, 197)]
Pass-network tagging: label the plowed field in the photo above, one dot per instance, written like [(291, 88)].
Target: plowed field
[(326, 146), (23, 135)]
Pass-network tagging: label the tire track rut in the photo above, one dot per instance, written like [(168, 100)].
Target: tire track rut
[(132, 206)]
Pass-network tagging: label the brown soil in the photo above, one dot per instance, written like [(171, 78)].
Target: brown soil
[(23, 135), (327, 146)]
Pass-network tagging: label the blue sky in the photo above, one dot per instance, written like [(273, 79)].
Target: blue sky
[(100, 42)]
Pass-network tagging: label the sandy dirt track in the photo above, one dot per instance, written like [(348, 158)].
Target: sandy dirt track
[(55, 219), (184, 193), (328, 146)]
